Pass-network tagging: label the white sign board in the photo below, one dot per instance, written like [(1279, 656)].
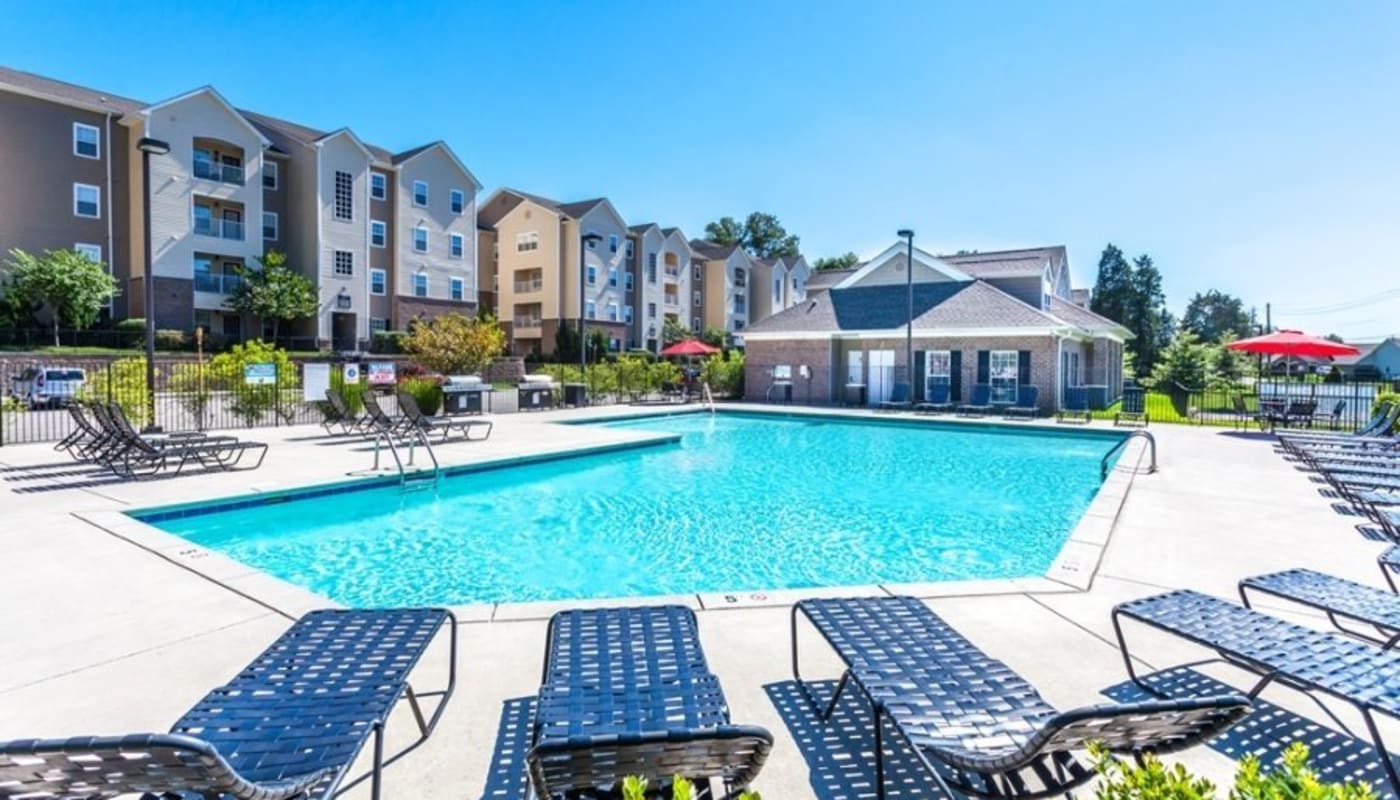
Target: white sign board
[(381, 373), (352, 373), (259, 374), (315, 381)]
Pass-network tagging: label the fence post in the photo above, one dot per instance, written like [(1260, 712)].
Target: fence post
[(276, 394)]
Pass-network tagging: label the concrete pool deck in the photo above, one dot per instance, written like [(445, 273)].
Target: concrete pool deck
[(108, 634)]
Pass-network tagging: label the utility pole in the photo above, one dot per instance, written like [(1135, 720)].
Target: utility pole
[(1268, 318)]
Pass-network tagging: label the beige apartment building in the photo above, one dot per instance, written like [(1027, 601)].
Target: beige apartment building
[(541, 282), (386, 238)]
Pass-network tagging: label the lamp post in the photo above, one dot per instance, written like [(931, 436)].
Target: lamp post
[(148, 148), (587, 239), (908, 236)]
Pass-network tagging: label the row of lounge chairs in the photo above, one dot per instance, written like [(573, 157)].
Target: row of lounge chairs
[(1362, 467), (939, 401), (375, 421), (629, 691), (103, 435)]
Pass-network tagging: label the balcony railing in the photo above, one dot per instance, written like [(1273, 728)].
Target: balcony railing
[(527, 322), (217, 283), (219, 228), (673, 272), (741, 307), (529, 286), (672, 300), (223, 173)]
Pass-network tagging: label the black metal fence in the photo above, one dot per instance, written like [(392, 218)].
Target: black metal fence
[(133, 339), (189, 395), (1332, 406)]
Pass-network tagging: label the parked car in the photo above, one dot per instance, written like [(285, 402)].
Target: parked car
[(50, 387)]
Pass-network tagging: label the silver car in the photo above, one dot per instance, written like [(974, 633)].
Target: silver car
[(47, 387)]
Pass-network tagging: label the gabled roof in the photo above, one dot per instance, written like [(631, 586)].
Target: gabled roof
[(643, 228), (348, 134), (219, 99), (285, 133), (1081, 317), (967, 304), (1367, 349), (578, 208), (823, 279), (409, 155), (28, 83), (713, 251), (899, 250), (1025, 262)]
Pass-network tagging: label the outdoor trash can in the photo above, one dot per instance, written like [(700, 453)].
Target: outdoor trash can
[(576, 395), (855, 395)]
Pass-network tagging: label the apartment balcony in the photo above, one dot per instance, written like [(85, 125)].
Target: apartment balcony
[(219, 228), (219, 173), (672, 274), (526, 287), (217, 283), (526, 326), (672, 300)]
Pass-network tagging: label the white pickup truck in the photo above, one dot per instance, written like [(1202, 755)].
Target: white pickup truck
[(47, 387)]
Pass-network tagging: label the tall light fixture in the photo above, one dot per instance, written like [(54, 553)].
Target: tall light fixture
[(908, 236), (588, 239), (149, 147)]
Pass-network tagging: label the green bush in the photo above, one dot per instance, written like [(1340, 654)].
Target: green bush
[(123, 382), (170, 340), (1152, 780), (388, 342), (1387, 397), (426, 391), (724, 375), (132, 331), (635, 788), (11, 405)]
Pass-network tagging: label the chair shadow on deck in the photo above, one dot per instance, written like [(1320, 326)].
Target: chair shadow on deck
[(1264, 733), (507, 779), (839, 752)]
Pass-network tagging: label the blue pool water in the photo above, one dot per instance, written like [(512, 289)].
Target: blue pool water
[(742, 502)]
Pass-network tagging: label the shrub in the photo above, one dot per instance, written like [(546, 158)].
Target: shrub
[(724, 375), (131, 331), (171, 340), (11, 405), (453, 344), (354, 393), (122, 382), (635, 788), (426, 391), (388, 342), (1387, 397), (250, 402), (1152, 780)]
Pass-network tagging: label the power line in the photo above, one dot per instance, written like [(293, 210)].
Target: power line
[(1348, 305)]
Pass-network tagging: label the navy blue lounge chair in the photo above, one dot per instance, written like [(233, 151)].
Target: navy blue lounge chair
[(1075, 407), (627, 691), (1132, 409), (939, 399), (408, 404), (1339, 598), (1378, 426), (1277, 651), (1027, 403), (981, 403), (290, 724), (978, 727), (899, 399)]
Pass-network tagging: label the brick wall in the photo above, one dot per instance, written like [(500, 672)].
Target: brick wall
[(761, 357), (174, 302), (408, 308)]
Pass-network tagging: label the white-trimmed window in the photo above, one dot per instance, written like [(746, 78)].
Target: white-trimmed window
[(527, 241), (87, 141), (592, 273), (458, 288), (378, 186), (695, 325), (590, 310), (458, 200), (695, 272), (630, 249), (1003, 372), (420, 239), (420, 284), (378, 233), (695, 299), (378, 324), (592, 243), (938, 370), (420, 193), (87, 201), (612, 276), (612, 312), (455, 245), (627, 314), (93, 252), (612, 243), (344, 196), (378, 282), (344, 264), (651, 311), (627, 281), (651, 271), (270, 226), (271, 174)]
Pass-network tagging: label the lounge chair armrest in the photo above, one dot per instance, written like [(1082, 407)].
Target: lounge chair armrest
[(735, 752), (137, 764), (1159, 726)]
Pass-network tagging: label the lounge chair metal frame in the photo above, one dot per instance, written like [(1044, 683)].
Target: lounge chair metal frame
[(379, 421), (901, 399), (1027, 404), (1338, 598), (1134, 412), (980, 404), (1072, 411), (1277, 651), (939, 400), (339, 413), (408, 404), (289, 725), (627, 691), (975, 725)]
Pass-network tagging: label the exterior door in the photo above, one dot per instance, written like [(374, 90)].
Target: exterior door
[(881, 375)]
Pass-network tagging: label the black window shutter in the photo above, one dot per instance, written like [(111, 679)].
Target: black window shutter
[(984, 366), (1023, 367), (955, 379), (917, 390)]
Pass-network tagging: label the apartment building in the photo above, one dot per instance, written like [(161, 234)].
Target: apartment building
[(385, 237), (726, 294), (660, 257), (545, 277)]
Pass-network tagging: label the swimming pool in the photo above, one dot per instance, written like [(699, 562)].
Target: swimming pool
[(741, 502)]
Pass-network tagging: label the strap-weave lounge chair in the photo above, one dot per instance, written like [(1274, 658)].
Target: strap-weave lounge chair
[(1027, 403), (408, 404), (1075, 407), (977, 726), (899, 399), (1132, 409), (338, 413), (290, 725), (981, 403), (939, 400), (379, 421), (627, 691), (1358, 673), (83, 435), (1337, 597), (1380, 424)]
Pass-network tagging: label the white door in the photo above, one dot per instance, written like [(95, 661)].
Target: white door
[(881, 375), (855, 366)]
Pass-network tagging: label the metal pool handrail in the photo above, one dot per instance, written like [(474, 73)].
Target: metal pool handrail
[(1151, 441)]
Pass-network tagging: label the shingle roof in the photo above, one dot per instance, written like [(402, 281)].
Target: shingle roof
[(1079, 316), (827, 278), (399, 158), (712, 250), (643, 228), (943, 304), (61, 91), (578, 208), (669, 231), (283, 132), (1007, 263)]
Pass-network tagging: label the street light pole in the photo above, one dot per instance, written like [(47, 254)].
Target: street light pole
[(587, 239), (908, 236), (148, 148)]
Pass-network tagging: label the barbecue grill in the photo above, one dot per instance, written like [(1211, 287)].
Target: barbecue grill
[(536, 392), (465, 394)]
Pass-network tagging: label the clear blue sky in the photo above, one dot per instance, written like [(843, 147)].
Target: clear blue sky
[(1250, 147)]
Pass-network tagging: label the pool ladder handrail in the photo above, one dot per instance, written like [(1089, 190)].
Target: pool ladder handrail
[(415, 437), (1152, 444), (707, 397)]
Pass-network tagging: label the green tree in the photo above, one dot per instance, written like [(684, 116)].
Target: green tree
[(1132, 296), (454, 343), (1113, 288), (1228, 367), (673, 331), (844, 261), (597, 344), (566, 343), (1186, 361), (761, 234), (714, 337), (274, 291), (1215, 315), (72, 286)]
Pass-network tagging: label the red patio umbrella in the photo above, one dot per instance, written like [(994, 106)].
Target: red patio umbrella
[(1292, 343), (690, 347)]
